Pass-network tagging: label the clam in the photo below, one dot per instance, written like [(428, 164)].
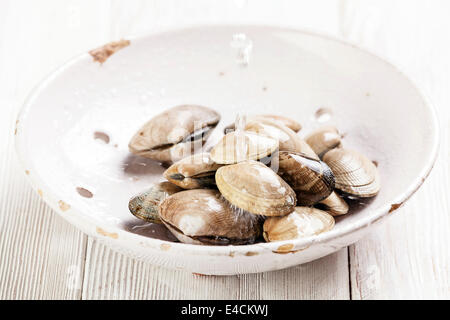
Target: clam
[(324, 139), (145, 205), (288, 122), (335, 205), (311, 179), (253, 187), (303, 222), (172, 135), (241, 146), (193, 172), (354, 173), (288, 140), (202, 216)]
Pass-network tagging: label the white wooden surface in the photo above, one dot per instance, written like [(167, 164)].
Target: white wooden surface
[(42, 256)]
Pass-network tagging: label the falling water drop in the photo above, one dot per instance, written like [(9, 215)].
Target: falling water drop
[(242, 47), (241, 142)]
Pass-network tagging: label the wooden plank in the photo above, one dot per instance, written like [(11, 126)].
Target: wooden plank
[(111, 275), (42, 256), (408, 257)]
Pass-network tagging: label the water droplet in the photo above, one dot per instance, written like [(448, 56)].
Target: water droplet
[(241, 142), (240, 122), (243, 47)]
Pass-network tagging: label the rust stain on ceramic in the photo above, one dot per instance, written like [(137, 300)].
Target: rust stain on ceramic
[(264, 88), (395, 207), (27, 172), (63, 206), (165, 247), (251, 254), (84, 192), (285, 248), (103, 53), (221, 74), (98, 135), (231, 254), (40, 193), (199, 274), (112, 235)]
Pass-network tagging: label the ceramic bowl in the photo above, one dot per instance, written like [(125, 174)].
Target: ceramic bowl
[(73, 131)]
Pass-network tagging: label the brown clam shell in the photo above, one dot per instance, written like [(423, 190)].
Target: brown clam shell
[(193, 172), (323, 139), (253, 187), (303, 222), (288, 140), (171, 135), (311, 179), (202, 216), (354, 173), (335, 205), (288, 122), (145, 205), (236, 147)]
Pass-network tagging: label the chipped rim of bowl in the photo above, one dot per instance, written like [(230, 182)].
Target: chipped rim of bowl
[(97, 230)]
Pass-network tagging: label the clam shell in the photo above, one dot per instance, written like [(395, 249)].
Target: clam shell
[(288, 122), (324, 139), (241, 146), (311, 179), (193, 172), (335, 205), (202, 216), (354, 173), (288, 139), (171, 135), (253, 187), (145, 205), (303, 222)]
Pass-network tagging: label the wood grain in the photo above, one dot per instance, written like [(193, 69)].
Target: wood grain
[(42, 256), (408, 257), (110, 275)]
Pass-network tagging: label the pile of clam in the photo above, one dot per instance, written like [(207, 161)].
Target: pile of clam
[(260, 181)]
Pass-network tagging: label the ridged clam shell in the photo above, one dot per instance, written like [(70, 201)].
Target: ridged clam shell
[(193, 172), (236, 147), (171, 135), (303, 222), (311, 179), (323, 139), (354, 173), (335, 205), (288, 122), (288, 140), (145, 205), (202, 216), (255, 188)]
